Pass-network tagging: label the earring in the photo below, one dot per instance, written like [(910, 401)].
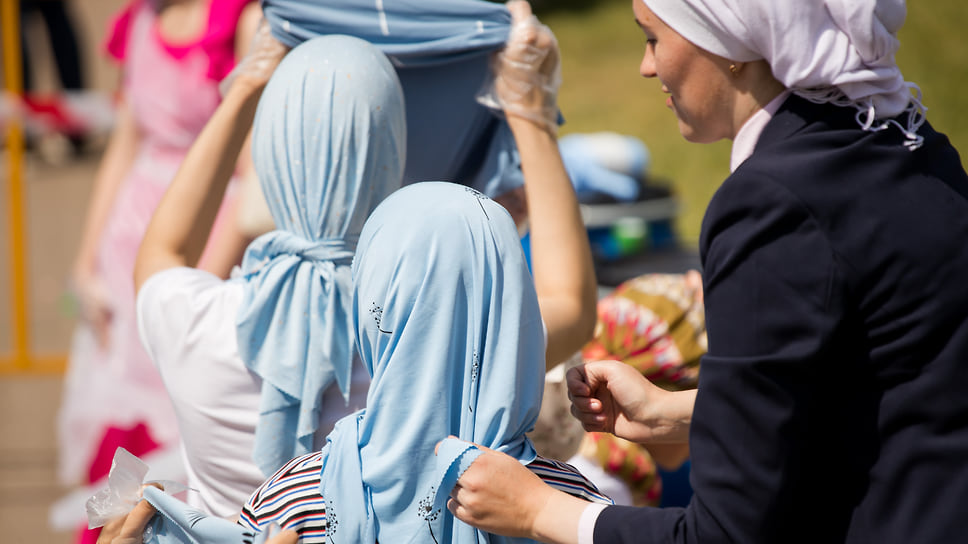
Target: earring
[(733, 69)]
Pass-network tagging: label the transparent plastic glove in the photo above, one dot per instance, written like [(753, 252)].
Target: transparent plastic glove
[(125, 484), (257, 65), (526, 74), (130, 528)]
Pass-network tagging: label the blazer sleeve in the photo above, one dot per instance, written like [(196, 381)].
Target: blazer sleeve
[(773, 299)]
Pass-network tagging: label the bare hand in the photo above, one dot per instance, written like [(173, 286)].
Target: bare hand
[(286, 537), (499, 495), (613, 397), (130, 528), (94, 309)]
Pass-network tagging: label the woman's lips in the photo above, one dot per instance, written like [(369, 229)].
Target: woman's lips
[(669, 98)]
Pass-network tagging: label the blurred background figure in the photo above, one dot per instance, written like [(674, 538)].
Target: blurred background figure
[(173, 54), (56, 122), (62, 35)]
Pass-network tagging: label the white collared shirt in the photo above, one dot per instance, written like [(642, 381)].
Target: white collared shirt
[(745, 141)]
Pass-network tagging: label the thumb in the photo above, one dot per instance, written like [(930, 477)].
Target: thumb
[(520, 11)]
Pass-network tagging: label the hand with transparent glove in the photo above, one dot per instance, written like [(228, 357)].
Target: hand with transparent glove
[(526, 74), (126, 485), (128, 528), (255, 68), (133, 511), (141, 525)]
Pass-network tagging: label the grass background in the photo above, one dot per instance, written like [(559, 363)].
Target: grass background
[(601, 47)]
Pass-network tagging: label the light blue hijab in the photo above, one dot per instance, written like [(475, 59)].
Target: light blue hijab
[(449, 328), (328, 145)]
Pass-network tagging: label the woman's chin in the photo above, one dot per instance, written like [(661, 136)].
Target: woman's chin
[(692, 135), (689, 133)]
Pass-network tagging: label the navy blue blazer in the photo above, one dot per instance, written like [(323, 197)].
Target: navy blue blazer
[(833, 402)]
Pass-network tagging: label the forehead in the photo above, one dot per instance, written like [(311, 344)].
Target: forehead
[(645, 18)]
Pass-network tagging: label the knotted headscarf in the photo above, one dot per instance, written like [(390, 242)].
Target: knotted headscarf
[(449, 327), (839, 51), (328, 145)]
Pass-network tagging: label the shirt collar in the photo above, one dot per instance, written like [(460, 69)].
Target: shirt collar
[(745, 141)]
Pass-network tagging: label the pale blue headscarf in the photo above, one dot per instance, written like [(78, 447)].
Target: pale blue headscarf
[(328, 145), (449, 328)]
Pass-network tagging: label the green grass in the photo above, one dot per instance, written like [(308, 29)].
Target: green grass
[(601, 48)]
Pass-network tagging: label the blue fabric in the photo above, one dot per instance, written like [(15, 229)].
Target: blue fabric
[(179, 523), (454, 456), (328, 145), (449, 328), (440, 49), (411, 32)]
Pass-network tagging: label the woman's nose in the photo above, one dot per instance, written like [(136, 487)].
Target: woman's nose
[(647, 66)]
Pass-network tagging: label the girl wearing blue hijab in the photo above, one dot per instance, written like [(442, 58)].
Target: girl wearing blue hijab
[(333, 112), (260, 366), (449, 327)]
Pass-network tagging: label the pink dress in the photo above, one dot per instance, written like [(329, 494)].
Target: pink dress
[(172, 90)]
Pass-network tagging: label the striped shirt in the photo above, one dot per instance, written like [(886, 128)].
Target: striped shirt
[(291, 498)]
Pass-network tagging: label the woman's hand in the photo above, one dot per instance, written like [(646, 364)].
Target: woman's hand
[(130, 528), (527, 72), (286, 537), (613, 397), (256, 67), (499, 495), (93, 306)]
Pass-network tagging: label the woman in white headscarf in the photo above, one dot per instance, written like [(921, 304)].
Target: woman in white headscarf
[(831, 404)]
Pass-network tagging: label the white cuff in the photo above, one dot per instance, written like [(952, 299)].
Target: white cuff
[(586, 523)]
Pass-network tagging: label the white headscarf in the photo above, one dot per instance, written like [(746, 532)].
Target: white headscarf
[(839, 51)]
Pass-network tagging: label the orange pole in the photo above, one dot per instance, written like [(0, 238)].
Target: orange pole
[(13, 78)]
